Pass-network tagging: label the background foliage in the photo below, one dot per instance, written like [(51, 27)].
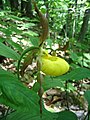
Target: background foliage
[(69, 38)]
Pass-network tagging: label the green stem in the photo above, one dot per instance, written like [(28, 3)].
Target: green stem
[(39, 80), (66, 87)]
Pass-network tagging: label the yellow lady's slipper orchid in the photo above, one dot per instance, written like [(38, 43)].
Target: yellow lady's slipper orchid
[(53, 66)]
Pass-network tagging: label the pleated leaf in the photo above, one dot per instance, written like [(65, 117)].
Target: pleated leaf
[(6, 74), (64, 115), (67, 115), (8, 52), (15, 45), (77, 74), (16, 95), (32, 116), (87, 97)]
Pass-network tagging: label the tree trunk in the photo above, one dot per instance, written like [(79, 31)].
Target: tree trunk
[(1, 5), (26, 8), (14, 4), (84, 25)]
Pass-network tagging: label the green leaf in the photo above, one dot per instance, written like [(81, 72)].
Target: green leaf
[(67, 115), (2, 39), (15, 45), (16, 95), (13, 28), (64, 115), (34, 41), (87, 55), (8, 52), (29, 33), (49, 42), (6, 74), (50, 82), (36, 87), (74, 56), (3, 118), (20, 115), (76, 74), (87, 96), (6, 31), (26, 25), (15, 17)]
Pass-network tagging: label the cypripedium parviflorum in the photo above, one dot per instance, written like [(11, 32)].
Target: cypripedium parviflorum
[(52, 65)]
